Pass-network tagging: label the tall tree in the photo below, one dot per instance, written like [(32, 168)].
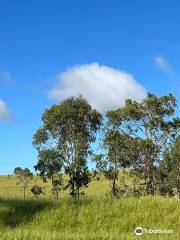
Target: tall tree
[(70, 127), (169, 171), (24, 177), (118, 153), (152, 121)]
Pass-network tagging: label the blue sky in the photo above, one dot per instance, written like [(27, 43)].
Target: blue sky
[(135, 44)]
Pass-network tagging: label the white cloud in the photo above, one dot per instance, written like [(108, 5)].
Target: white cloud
[(162, 64), (102, 86), (5, 114)]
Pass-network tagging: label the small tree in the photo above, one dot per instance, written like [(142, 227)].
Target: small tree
[(57, 184), (49, 167), (37, 190), (118, 154), (119, 151), (24, 177), (82, 178)]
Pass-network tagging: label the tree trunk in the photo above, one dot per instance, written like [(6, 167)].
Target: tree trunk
[(73, 189), (24, 192), (149, 176), (150, 185), (57, 195), (115, 171), (114, 186), (78, 193)]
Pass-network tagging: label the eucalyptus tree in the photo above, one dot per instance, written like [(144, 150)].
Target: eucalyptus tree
[(24, 177), (154, 124), (118, 152), (169, 171), (49, 166), (70, 127)]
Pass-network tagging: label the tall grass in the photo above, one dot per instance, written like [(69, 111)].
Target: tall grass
[(96, 217), (88, 219)]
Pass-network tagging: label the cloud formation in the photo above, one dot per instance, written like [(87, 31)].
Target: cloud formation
[(5, 114), (163, 65), (104, 87)]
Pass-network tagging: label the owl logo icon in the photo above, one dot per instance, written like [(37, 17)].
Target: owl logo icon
[(139, 231)]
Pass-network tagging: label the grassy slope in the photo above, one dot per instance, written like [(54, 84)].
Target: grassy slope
[(96, 217), (10, 189)]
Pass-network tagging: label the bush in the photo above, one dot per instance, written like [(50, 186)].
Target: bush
[(37, 190)]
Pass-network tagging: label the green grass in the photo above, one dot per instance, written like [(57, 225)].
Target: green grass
[(10, 189), (95, 217)]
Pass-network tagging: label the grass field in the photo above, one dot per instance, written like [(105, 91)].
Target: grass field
[(95, 217)]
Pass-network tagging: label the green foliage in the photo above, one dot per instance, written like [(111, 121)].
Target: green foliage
[(169, 171), (135, 136), (70, 128), (24, 177), (153, 126), (119, 151), (49, 163), (37, 190), (49, 167), (57, 184)]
